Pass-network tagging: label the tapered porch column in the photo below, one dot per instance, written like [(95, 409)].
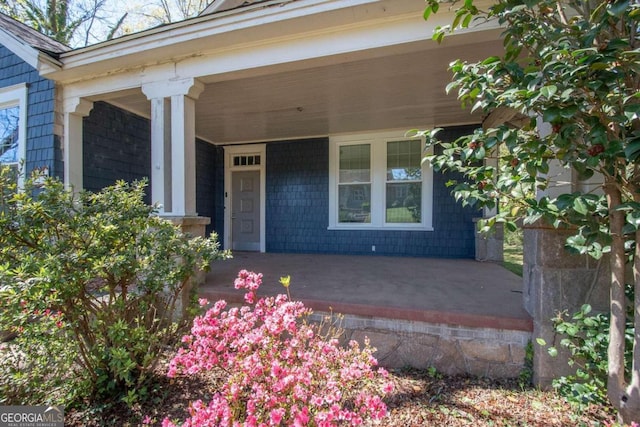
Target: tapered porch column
[(173, 155), (74, 110)]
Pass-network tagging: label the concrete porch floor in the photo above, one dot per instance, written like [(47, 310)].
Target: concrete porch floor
[(456, 292)]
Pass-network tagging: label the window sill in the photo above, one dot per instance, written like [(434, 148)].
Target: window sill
[(374, 228)]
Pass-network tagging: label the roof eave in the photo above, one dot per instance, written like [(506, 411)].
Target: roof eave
[(39, 60), (137, 47)]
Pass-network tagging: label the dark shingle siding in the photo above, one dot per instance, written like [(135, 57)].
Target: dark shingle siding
[(117, 146), (297, 211), (43, 147), (210, 185)]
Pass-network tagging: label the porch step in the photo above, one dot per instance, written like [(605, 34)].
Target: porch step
[(451, 349), (453, 343)]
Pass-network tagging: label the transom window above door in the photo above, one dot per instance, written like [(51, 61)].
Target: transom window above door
[(378, 181)]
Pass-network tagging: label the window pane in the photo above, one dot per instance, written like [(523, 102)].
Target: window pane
[(404, 160), (355, 163), (9, 134), (404, 203), (354, 203)]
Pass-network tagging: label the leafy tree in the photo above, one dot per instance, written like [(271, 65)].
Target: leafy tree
[(71, 22), (147, 14), (573, 68)]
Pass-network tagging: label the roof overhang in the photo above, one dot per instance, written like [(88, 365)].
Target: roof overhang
[(278, 70), (37, 59), (277, 31)]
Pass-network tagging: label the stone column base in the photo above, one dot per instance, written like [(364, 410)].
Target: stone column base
[(193, 225), (556, 281), (490, 247)]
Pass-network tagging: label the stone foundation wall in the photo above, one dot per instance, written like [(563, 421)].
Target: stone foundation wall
[(557, 282), (450, 349)]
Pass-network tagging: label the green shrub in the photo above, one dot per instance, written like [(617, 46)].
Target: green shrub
[(586, 335), (92, 287)]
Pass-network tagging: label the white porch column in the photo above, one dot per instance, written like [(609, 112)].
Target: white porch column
[(559, 177), (74, 110), (161, 153), (173, 172), (183, 155)]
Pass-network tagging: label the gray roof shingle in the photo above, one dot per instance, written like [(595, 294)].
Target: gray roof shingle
[(32, 37)]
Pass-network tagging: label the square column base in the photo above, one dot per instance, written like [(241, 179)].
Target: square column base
[(195, 226), (490, 247)]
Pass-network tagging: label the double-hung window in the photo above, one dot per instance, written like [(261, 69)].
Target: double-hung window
[(378, 181), (13, 112)]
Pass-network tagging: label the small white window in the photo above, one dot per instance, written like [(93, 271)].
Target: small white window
[(378, 181), (13, 125)]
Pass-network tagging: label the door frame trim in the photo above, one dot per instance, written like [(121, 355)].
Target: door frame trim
[(229, 152)]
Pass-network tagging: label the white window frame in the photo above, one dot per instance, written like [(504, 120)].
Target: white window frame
[(16, 96), (378, 142)]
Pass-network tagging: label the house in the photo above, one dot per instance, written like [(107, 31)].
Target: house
[(282, 121), (280, 124)]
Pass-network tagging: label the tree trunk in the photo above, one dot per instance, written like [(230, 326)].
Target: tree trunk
[(625, 400), (631, 409)]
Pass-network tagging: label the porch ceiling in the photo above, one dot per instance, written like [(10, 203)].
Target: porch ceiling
[(387, 88)]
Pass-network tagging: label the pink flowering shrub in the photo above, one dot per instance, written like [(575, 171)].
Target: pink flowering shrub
[(281, 371)]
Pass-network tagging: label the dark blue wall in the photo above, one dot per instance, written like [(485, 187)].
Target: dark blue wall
[(210, 185), (297, 210), (43, 147), (117, 145)]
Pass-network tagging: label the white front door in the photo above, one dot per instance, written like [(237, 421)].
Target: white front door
[(244, 206), (245, 210)]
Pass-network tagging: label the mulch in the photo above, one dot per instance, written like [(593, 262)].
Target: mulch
[(420, 398)]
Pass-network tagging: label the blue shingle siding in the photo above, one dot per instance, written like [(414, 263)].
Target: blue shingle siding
[(43, 148), (210, 185), (297, 210), (116, 146)]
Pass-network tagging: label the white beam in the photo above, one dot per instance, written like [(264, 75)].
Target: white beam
[(74, 110)]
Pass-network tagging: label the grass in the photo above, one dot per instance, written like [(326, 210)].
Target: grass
[(513, 248)]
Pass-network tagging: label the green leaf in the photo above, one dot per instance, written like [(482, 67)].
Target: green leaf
[(580, 206), (457, 19), (577, 242), (633, 218), (467, 20), (491, 60), (632, 150), (617, 8), (427, 12), (566, 94), (548, 91), (568, 111), (541, 342), (551, 114), (553, 352)]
